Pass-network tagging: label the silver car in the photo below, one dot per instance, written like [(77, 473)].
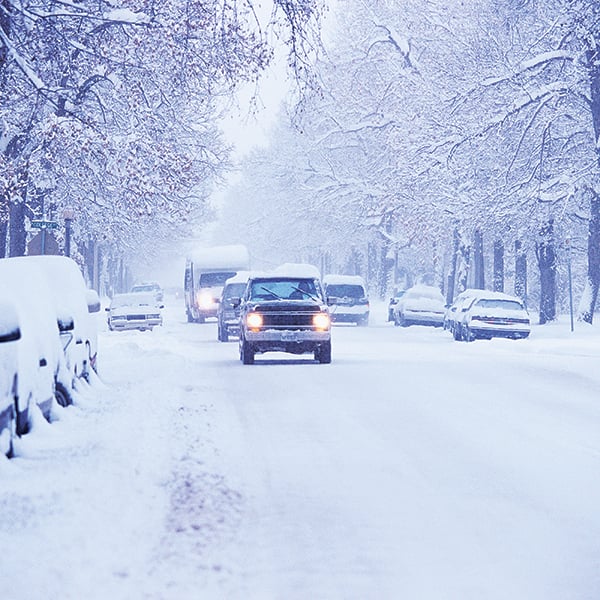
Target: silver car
[(134, 311)]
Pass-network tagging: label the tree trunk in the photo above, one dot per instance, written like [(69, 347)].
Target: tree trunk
[(588, 301), (463, 270), (520, 272), (453, 263), (17, 234), (546, 256), (478, 273), (498, 266), (3, 237)]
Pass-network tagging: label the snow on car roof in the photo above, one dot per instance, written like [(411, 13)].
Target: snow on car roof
[(133, 299), (296, 270), (240, 277), (343, 279), (220, 257)]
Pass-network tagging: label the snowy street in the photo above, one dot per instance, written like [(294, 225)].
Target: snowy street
[(412, 467)]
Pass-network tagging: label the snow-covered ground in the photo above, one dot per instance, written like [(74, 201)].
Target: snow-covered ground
[(411, 467)]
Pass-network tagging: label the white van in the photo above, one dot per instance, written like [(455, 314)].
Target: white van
[(347, 298)]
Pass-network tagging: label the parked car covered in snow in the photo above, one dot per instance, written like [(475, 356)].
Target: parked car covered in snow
[(454, 313), (420, 305), (10, 334), (43, 375), (392, 303), (134, 311), (228, 311), (495, 314), (76, 307), (347, 299), (285, 311)]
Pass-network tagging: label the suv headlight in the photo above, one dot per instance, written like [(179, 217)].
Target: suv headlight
[(321, 321), (254, 320)]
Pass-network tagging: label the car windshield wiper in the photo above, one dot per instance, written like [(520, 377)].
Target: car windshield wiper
[(271, 292), (305, 292)]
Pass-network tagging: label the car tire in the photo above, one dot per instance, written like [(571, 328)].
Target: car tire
[(190, 317), (323, 353), (12, 434), (468, 335), (402, 321), (456, 334), (363, 322), (62, 395), (246, 353)]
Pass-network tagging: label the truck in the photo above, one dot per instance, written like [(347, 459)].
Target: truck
[(285, 311), (206, 271)]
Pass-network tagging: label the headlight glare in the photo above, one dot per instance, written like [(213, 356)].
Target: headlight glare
[(321, 321), (254, 320)]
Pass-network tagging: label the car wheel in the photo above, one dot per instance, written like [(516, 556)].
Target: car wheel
[(468, 336), (246, 353), (403, 322), (456, 334), (11, 429), (323, 353), (62, 395), (363, 321), (190, 317)]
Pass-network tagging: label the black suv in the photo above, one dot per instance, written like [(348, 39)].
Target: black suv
[(284, 313)]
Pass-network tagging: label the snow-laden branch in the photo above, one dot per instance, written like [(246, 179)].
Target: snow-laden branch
[(526, 65)]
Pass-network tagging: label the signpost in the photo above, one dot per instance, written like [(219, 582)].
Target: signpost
[(43, 224)]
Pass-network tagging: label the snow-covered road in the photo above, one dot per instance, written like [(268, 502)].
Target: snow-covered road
[(411, 467)]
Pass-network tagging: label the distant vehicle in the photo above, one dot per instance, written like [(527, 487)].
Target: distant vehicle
[(495, 314), (206, 272), (347, 299), (285, 311), (420, 305), (10, 334), (134, 311), (393, 301), (149, 288), (228, 311)]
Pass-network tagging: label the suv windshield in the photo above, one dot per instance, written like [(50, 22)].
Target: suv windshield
[(283, 289)]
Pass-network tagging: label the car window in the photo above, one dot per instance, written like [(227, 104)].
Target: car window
[(233, 290), (345, 291), (503, 304), (215, 279)]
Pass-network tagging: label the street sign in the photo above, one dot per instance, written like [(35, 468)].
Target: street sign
[(44, 224)]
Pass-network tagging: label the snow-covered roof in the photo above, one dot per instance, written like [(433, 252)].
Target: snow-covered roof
[(240, 277), (343, 280), (296, 270), (134, 299), (220, 257)]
